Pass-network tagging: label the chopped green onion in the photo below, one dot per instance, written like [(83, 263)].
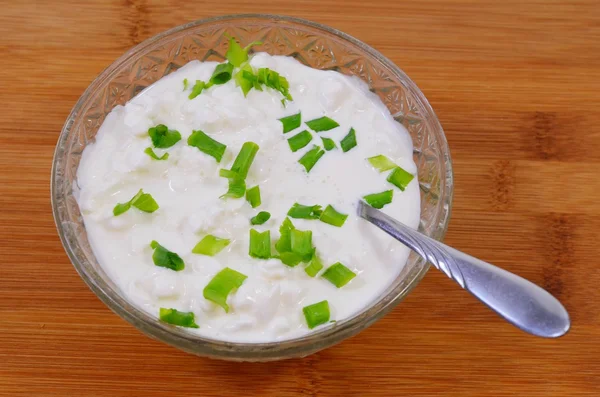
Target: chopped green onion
[(260, 218), (164, 258), (301, 243), (274, 80), (151, 153), (244, 159), (284, 244), (221, 285), (400, 178), (322, 124), (290, 259), (175, 317), (162, 137), (300, 211), (221, 74), (142, 201), (207, 145), (349, 141), (185, 84), (382, 163), (253, 196), (299, 140), (291, 122), (378, 200), (328, 143), (228, 173), (260, 244), (338, 275), (197, 89), (236, 55), (245, 79), (311, 157), (332, 217), (314, 267), (316, 314), (236, 189), (210, 245)]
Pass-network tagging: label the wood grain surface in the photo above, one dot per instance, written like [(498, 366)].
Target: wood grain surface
[(516, 86)]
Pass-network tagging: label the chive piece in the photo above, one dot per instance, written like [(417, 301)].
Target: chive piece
[(151, 153), (300, 211), (314, 267), (316, 314), (221, 285), (349, 141), (311, 157), (322, 124), (290, 259), (221, 74), (210, 245), (245, 79), (284, 244), (175, 317), (244, 159), (400, 178), (163, 137), (378, 200), (197, 89), (142, 201), (291, 122), (228, 173), (164, 258), (207, 145), (300, 140), (253, 196), (328, 143), (235, 53), (301, 243), (338, 275), (260, 244), (382, 163), (332, 217), (236, 189), (274, 80), (185, 84), (260, 218)]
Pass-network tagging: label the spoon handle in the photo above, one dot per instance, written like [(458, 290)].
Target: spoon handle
[(519, 301)]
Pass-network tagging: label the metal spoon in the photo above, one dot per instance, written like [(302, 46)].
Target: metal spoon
[(518, 301)]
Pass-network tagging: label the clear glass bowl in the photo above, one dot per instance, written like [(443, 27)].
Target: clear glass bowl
[(312, 44)]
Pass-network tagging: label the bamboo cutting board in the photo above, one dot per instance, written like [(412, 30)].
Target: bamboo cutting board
[(516, 86)]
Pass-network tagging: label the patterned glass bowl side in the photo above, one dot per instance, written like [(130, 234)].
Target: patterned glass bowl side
[(312, 44)]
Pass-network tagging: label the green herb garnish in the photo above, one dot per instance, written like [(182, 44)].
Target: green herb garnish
[(221, 74), (349, 141), (236, 55), (316, 314), (175, 317), (162, 137), (332, 217), (236, 189), (260, 244), (301, 243), (198, 88), (311, 157), (142, 201), (185, 84), (207, 145), (314, 267), (284, 244), (328, 143), (382, 163), (291, 122), (164, 258), (400, 178), (151, 153), (300, 211), (246, 80), (322, 124), (221, 285), (378, 200), (299, 140), (260, 218), (274, 80), (210, 245), (244, 159), (338, 275), (290, 259), (253, 196)]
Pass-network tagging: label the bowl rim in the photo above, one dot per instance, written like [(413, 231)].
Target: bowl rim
[(289, 348)]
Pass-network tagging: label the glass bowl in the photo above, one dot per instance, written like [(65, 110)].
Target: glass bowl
[(312, 44)]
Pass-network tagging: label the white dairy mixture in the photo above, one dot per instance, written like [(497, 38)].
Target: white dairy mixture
[(268, 306)]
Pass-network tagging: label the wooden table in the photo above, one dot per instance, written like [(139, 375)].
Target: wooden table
[(516, 85)]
